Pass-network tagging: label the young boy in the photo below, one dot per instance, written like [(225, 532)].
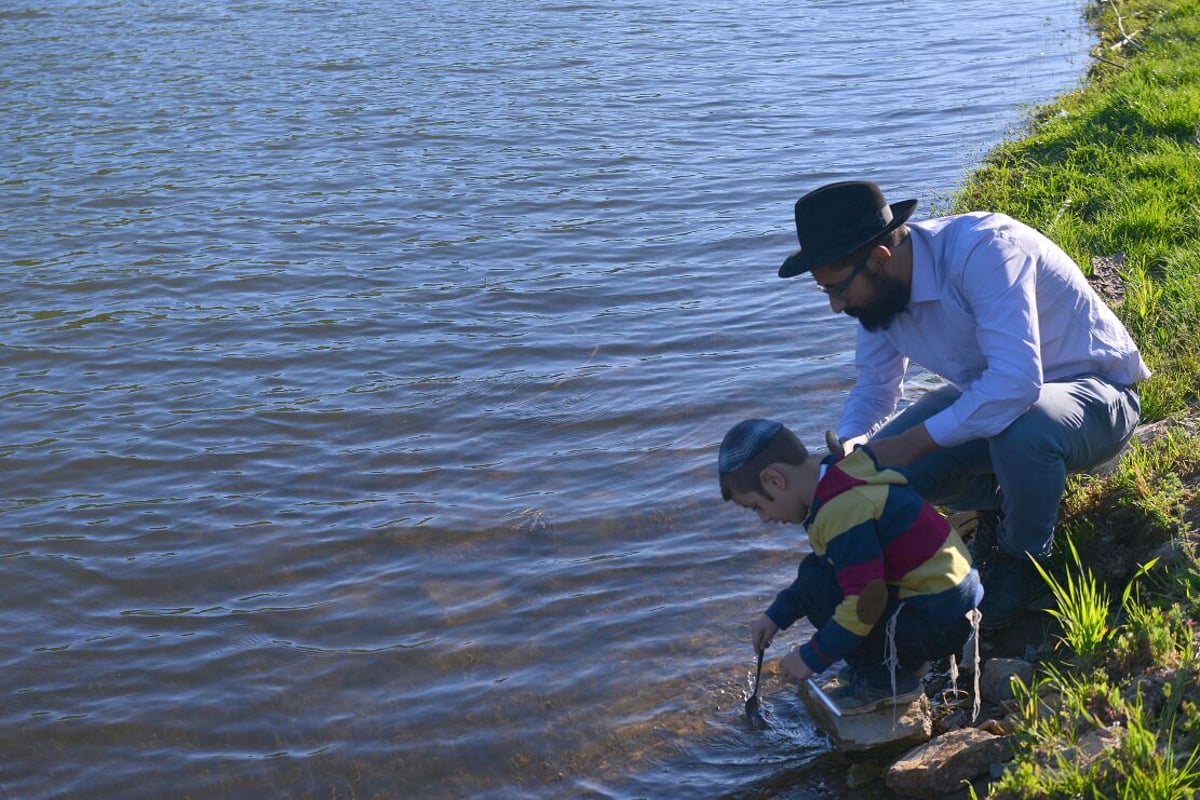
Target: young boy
[(889, 581)]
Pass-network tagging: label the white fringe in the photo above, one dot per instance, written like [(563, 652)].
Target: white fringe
[(891, 659), (974, 616)]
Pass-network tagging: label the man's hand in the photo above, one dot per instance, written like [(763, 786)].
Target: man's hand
[(903, 449), (846, 446), (793, 668), (762, 631)]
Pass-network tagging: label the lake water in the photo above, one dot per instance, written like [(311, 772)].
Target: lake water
[(364, 366)]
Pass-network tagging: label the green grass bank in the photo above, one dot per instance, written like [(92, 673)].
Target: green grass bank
[(1111, 171)]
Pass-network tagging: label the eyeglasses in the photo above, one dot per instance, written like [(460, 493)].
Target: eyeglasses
[(839, 289)]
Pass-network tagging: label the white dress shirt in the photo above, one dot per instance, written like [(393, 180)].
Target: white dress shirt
[(996, 309)]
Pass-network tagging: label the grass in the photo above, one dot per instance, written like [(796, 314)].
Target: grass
[(1083, 609), (1111, 172)]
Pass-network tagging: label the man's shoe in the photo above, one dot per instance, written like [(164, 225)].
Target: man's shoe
[(1011, 587), (984, 543), (855, 693)]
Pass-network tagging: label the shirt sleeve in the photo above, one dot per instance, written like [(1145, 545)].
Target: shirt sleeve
[(788, 606), (879, 384), (998, 286)]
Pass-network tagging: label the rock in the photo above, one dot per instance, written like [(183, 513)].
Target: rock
[(993, 727), (1169, 553), (1092, 745), (892, 729), (863, 774), (940, 767), (952, 721), (998, 674), (1097, 745)]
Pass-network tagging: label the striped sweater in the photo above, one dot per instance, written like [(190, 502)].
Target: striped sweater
[(883, 542)]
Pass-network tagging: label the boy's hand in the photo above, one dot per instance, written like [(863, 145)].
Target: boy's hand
[(793, 667), (762, 631)]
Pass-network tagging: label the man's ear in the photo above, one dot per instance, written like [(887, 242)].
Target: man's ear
[(880, 255), (773, 478)]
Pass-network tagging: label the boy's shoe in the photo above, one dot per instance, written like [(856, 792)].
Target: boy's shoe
[(1011, 587), (846, 674), (831, 679), (855, 693)]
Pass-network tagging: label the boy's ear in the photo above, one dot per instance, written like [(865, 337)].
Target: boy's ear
[(773, 478)]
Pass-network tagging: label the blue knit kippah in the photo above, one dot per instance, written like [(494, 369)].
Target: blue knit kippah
[(744, 441)]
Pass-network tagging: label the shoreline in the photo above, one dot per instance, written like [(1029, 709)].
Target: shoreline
[(1111, 172)]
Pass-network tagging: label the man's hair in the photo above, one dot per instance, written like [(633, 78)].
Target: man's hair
[(745, 474), (891, 240)]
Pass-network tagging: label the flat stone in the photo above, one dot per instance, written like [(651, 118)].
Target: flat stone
[(893, 729), (939, 767)]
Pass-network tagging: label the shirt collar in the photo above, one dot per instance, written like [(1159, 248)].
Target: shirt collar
[(923, 285)]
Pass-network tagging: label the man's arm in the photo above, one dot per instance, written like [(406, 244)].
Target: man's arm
[(903, 449), (878, 385)]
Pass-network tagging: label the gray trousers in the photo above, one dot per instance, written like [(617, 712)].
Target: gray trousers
[(1075, 425)]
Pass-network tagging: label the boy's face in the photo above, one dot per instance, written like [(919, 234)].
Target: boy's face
[(780, 501)]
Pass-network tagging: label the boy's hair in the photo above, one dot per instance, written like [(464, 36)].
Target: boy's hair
[(748, 448)]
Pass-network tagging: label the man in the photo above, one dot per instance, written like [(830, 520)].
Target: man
[(1040, 374)]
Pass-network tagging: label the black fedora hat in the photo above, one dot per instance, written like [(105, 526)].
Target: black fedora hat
[(837, 219)]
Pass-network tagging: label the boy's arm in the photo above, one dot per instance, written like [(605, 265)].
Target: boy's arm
[(793, 667), (788, 606)]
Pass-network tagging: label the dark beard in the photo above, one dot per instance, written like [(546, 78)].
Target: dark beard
[(889, 298)]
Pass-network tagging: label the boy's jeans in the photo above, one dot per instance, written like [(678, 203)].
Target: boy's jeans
[(1074, 426), (917, 638)]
